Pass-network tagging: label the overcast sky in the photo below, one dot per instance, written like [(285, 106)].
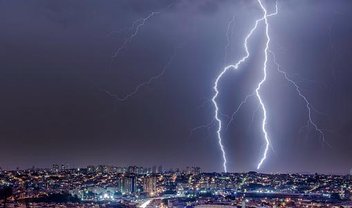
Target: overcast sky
[(58, 81)]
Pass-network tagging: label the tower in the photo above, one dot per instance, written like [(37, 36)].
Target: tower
[(149, 185), (127, 184)]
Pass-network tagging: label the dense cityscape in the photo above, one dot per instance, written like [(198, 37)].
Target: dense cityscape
[(109, 186)]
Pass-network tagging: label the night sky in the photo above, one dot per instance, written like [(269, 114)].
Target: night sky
[(58, 78)]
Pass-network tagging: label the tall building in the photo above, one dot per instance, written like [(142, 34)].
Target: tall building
[(149, 185), (160, 169), (132, 169), (120, 170), (188, 170), (154, 169), (56, 168), (91, 169), (140, 170), (135, 170), (196, 170), (127, 184), (193, 170), (63, 167)]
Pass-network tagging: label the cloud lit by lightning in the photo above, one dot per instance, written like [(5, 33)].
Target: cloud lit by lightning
[(257, 91)]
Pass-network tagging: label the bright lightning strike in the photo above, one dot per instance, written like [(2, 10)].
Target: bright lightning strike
[(257, 91), (304, 98)]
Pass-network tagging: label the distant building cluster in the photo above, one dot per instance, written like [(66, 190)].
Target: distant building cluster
[(133, 186)]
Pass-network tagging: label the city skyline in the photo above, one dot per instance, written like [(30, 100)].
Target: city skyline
[(129, 83), (133, 187), (154, 169)]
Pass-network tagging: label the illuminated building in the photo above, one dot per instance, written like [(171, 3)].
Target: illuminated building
[(149, 185), (127, 184)]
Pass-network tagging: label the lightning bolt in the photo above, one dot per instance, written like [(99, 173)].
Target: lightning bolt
[(143, 84), (203, 126), (137, 26), (228, 37), (233, 116), (128, 29), (257, 90), (308, 105)]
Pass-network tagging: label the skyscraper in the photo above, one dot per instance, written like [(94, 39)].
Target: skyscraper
[(56, 168), (154, 169), (127, 184), (149, 185), (160, 169)]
